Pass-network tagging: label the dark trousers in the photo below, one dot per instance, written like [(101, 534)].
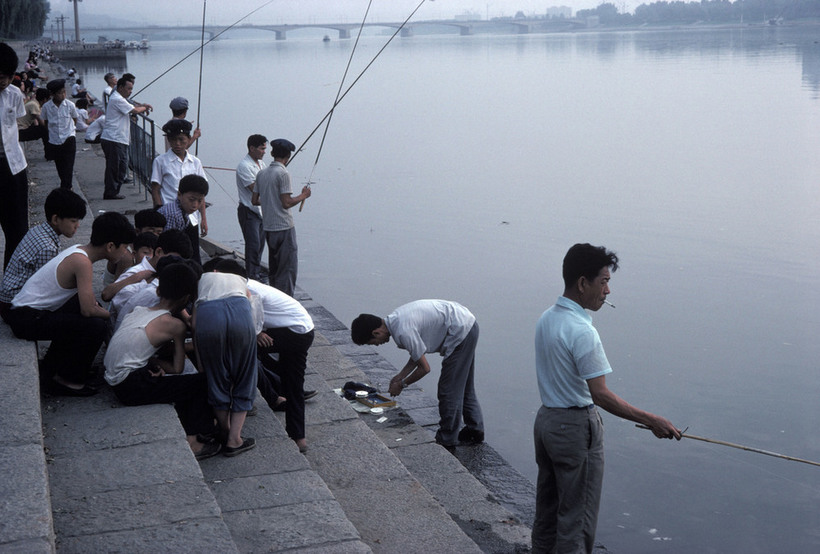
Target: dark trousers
[(283, 259), (254, 235), (116, 166), (34, 132), (188, 393), (63, 156), (292, 349), (13, 207), (75, 339), (193, 235)]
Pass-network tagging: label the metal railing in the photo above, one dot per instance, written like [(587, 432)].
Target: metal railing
[(141, 151)]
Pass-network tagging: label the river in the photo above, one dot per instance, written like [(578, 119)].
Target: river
[(464, 168)]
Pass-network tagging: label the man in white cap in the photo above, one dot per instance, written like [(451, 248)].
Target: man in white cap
[(179, 110)]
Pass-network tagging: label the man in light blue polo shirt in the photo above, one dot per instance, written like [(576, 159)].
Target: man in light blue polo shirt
[(571, 367)]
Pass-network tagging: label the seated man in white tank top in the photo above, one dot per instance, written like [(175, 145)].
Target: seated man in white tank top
[(58, 304)]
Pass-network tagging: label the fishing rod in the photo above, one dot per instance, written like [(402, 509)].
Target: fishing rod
[(336, 100), (201, 56), (741, 447), (210, 40), (356, 80)]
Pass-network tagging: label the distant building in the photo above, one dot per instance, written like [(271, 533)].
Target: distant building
[(559, 12), (467, 15)]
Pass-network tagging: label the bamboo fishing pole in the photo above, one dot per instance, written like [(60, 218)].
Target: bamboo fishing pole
[(741, 447)]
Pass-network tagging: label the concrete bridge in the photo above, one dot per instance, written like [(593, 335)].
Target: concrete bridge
[(465, 28)]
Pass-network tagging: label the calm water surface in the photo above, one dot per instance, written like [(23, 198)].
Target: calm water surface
[(464, 167)]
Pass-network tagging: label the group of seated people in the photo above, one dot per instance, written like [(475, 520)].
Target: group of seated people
[(199, 337)]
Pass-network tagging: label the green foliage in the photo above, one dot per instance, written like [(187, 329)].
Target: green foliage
[(709, 11), (23, 19)]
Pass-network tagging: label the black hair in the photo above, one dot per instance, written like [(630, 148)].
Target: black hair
[(107, 75), (255, 141), (179, 113), (112, 227), (42, 94), (145, 240), (361, 330), (193, 183), (8, 59), (149, 218), (64, 203), (229, 265), (281, 148), (176, 281), (585, 260), (129, 77), (81, 103), (210, 265), (174, 240), (123, 80)]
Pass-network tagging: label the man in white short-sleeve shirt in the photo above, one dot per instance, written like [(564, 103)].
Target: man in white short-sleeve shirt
[(250, 216), (427, 326), (116, 136), (13, 176)]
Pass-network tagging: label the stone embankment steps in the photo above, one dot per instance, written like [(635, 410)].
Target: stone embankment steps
[(115, 478)]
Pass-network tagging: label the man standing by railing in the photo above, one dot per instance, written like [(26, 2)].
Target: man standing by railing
[(116, 136)]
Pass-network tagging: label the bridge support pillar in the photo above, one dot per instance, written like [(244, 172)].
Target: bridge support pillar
[(280, 35), (344, 33), (466, 30), (522, 29), (407, 32)]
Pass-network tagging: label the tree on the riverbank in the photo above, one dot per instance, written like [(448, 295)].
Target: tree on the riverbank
[(708, 11), (23, 19)]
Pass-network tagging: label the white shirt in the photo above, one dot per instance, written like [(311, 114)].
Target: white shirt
[(117, 126), (281, 310), (168, 169), (43, 291), (12, 107), (246, 176), (82, 115), (60, 120), (426, 326), (95, 128), (125, 293)]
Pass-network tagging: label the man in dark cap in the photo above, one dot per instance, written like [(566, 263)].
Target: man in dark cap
[(172, 166), (116, 136), (179, 110), (60, 116), (274, 193), (13, 176)]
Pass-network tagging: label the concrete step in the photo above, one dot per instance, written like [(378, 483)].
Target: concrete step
[(25, 510), (465, 500), (124, 479)]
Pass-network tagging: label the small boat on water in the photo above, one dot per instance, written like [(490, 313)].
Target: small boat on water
[(326, 39)]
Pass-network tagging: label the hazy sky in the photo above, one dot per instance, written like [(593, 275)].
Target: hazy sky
[(189, 12)]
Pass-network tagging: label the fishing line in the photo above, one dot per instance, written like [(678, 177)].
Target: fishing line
[(336, 100), (211, 176), (356, 80), (201, 56), (213, 38)]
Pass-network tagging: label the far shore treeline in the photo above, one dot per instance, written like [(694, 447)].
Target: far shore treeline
[(23, 19), (706, 11)]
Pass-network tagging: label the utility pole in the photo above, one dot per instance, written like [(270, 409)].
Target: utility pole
[(76, 20), (61, 28)]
